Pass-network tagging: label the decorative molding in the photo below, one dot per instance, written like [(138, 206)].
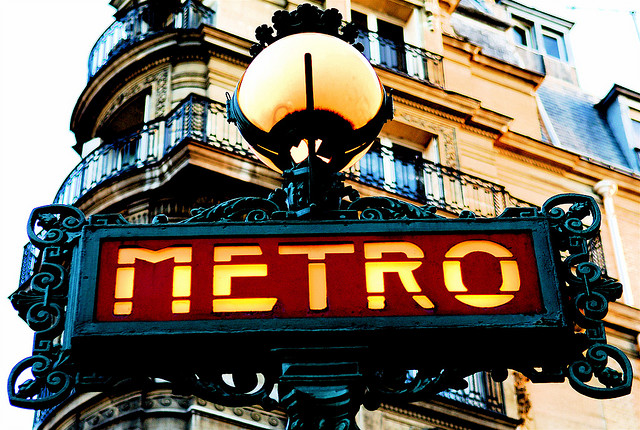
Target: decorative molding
[(423, 107), (304, 19), (575, 221), (466, 120), (159, 79), (255, 416), (228, 58), (480, 131), (440, 423), (161, 84), (54, 230), (446, 136), (522, 396), (159, 402), (531, 161)]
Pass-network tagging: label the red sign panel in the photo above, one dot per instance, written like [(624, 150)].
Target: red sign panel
[(327, 276)]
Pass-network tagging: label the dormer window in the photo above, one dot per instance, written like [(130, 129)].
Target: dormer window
[(541, 38), (538, 31), (621, 108)]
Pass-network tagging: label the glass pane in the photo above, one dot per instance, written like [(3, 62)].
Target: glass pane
[(636, 128), (391, 39), (408, 170), (520, 36), (372, 167), (360, 21), (551, 45)]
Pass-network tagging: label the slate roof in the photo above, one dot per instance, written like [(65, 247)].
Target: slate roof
[(576, 121), (578, 124), (481, 26), (493, 41)]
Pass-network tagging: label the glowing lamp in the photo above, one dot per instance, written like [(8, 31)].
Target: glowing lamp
[(309, 87)]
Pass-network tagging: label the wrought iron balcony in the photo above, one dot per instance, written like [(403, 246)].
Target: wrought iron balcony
[(203, 120), (196, 118), (482, 392), (138, 25), (431, 183), (402, 58)]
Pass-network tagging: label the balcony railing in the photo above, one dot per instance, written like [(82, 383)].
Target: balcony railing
[(204, 120), (431, 183), (481, 392), (402, 58), (29, 259), (195, 118), (137, 25)]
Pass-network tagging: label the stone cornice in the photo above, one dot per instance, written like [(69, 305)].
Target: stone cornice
[(136, 61), (188, 153), (451, 415), (221, 41), (567, 161), (452, 106)]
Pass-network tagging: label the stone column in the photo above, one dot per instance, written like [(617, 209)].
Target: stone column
[(606, 189)]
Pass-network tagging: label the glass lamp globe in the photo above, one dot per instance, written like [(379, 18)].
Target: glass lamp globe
[(310, 87)]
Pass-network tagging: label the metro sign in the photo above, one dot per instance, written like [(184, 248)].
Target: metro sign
[(317, 276), (376, 282), (316, 307)]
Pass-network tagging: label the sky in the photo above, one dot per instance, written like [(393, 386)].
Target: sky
[(604, 40), (44, 47)]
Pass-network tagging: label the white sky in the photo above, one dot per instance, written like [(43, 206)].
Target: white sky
[(44, 47)]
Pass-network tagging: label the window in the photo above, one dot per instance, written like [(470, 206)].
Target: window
[(391, 39), (635, 125), (383, 41), (401, 170), (520, 36), (538, 31), (523, 33), (360, 21), (534, 36), (553, 44), (372, 166), (130, 116), (408, 172)]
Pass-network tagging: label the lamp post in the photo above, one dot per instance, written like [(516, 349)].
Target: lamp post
[(310, 105)]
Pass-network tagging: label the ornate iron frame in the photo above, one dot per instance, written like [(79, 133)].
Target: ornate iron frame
[(321, 388)]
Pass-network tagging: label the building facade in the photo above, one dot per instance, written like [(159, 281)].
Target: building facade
[(488, 115)]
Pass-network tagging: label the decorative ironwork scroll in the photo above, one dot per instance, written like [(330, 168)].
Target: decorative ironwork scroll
[(316, 391), (53, 230), (575, 222), (305, 18)]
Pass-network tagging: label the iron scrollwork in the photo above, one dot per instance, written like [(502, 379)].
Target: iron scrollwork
[(53, 230), (575, 222), (233, 389), (306, 18)]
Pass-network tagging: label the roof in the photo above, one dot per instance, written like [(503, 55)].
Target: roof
[(578, 124), (490, 37), (614, 92)]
